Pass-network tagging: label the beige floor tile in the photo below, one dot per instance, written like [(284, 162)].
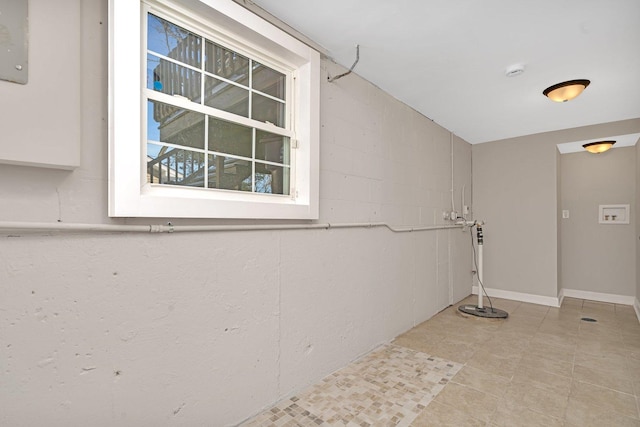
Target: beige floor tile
[(551, 365), (595, 305), (559, 331), (605, 362), (569, 317), (549, 351), (633, 355), (533, 311), (559, 340), (511, 334), (603, 324), (565, 318), (423, 337), (629, 331), (438, 415), (506, 346), (584, 415), (599, 347), (559, 328), (603, 320), (612, 343), (523, 417), (474, 402), (538, 399), (630, 320), (555, 383), (452, 349), (542, 366), (633, 371), (496, 364), (494, 385), (414, 344), (633, 345), (572, 302), (619, 381), (522, 326), (625, 310), (633, 361), (607, 399), (471, 336), (504, 304), (389, 386)]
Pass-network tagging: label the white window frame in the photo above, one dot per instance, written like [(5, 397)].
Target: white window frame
[(129, 193)]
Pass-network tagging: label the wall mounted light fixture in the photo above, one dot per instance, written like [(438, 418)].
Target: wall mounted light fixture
[(598, 147), (566, 91)]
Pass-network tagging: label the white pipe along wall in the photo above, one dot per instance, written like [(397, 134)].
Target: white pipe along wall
[(170, 228), (117, 322)]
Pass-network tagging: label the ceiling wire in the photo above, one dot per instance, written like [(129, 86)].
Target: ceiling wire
[(339, 76)]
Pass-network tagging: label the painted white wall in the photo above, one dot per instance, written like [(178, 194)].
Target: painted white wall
[(515, 191), (598, 257), (209, 328)]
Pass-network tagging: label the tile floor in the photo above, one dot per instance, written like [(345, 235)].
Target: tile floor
[(542, 366)]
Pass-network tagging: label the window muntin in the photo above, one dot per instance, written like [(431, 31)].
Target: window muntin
[(233, 27), (185, 140)]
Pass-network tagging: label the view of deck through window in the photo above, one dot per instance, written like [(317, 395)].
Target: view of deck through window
[(216, 119)]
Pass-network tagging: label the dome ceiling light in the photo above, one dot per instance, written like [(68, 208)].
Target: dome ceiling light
[(598, 147), (565, 91)]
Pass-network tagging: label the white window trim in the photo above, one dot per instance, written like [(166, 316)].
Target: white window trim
[(130, 195)]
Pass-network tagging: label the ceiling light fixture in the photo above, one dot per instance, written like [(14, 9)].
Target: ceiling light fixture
[(598, 147), (566, 91)]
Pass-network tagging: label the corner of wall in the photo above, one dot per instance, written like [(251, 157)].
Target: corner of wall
[(637, 231), (560, 297)]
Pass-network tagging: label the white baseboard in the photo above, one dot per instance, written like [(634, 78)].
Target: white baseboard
[(570, 293), (598, 296), (520, 296)]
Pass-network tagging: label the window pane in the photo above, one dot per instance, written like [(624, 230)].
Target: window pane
[(170, 78), (272, 147), (268, 80), (166, 165), (226, 63), (227, 97), (267, 110), (229, 138), (229, 174), (174, 125), (272, 179), (172, 41)]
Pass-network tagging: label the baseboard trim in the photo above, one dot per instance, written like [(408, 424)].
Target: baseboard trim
[(599, 296), (564, 293), (520, 296)]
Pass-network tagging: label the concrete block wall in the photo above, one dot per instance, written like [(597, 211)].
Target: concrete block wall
[(209, 328)]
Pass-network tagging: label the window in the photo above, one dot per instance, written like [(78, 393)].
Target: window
[(223, 121)]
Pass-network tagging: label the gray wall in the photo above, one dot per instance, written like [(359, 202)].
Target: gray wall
[(598, 257), (514, 186), (559, 181), (516, 192), (637, 304), (208, 328)]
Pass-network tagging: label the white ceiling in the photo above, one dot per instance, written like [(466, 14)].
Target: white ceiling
[(447, 58)]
